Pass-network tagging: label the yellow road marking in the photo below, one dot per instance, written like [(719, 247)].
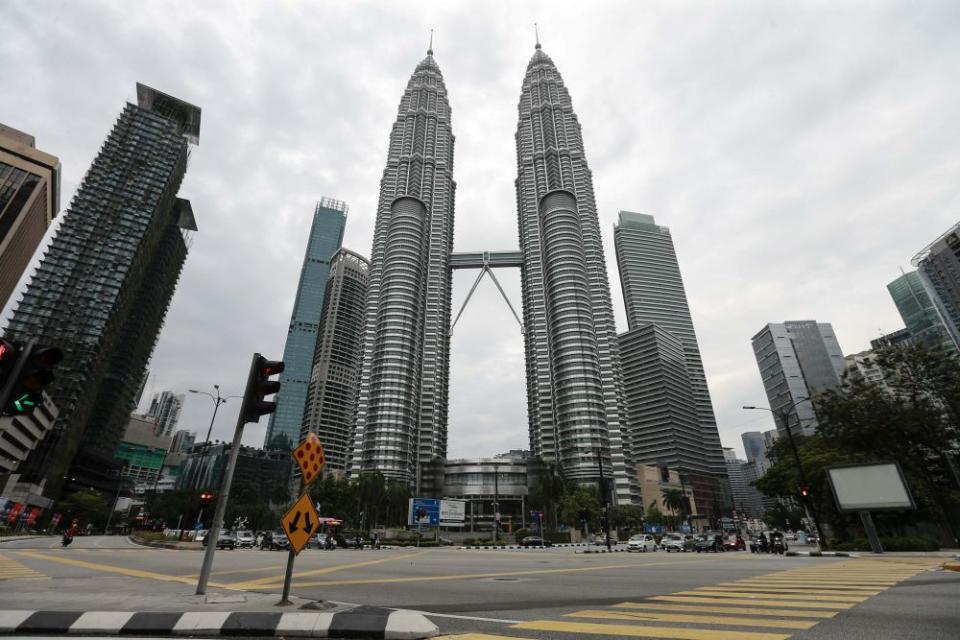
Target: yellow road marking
[(10, 569), (278, 581), (637, 631), (723, 592), (826, 583), (494, 574), (108, 568), (782, 613), (764, 602), (783, 589), (678, 617), (475, 636)]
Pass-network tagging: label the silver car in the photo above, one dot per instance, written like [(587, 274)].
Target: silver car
[(245, 539), (677, 542)]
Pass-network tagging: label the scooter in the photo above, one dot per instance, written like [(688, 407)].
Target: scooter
[(777, 546), (66, 540)]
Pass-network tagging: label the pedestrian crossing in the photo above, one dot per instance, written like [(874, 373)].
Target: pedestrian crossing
[(768, 607), (12, 570)]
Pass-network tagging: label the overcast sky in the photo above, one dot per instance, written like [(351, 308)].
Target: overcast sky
[(801, 153)]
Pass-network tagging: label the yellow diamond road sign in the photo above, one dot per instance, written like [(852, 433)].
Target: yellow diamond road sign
[(300, 523)]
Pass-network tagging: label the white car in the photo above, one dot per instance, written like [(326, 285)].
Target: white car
[(245, 539), (642, 542)]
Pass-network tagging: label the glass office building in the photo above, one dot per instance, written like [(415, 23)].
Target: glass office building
[(918, 309), (326, 236), (103, 287)]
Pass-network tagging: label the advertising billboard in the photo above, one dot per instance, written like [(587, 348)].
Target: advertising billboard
[(453, 512), (870, 487), (423, 511)]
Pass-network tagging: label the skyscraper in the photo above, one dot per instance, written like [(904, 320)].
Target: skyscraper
[(402, 407), (103, 287), (938, 265), (925, 322), (798, 359), (29, 200), (574, 392), (653, 293), (326, 236), (334, 382), (165, 410)]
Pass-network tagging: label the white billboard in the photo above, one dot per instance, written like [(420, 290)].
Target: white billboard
[(453, 511), (870, 487)]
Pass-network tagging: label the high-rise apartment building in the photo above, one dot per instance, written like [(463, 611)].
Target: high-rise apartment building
[(335, 380), (756, 444), (103, 287), (653, 293), (919, 309), (797, 360), (29, 200), (165, 411), (574, 392), (938, 265), (326, 236), (402, 406)]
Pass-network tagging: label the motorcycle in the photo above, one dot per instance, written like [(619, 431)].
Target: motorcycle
[(66, 540), (778, 546)]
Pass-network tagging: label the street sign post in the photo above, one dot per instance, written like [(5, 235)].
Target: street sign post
[(300, 523), (302, 520)]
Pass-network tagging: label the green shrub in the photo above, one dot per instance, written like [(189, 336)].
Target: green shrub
[(468, 542), (520, 534)]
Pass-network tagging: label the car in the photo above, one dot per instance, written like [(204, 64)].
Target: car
[(677, 542), (708, 542), (535, 541), (734, 543), (226, 540), (201, 535), (642, 542), (279, 542), (245, 539)]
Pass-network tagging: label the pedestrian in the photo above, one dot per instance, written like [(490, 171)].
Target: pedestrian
[(376, 541)]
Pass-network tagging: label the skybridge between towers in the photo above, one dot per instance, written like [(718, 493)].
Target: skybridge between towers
[(486, 262)]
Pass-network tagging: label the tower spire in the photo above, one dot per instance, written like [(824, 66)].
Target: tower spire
[(430, 48), (536, 34)]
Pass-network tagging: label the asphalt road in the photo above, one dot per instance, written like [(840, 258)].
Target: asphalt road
[(553, 593)]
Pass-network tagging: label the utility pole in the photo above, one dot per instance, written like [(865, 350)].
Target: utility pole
[(604, 497)]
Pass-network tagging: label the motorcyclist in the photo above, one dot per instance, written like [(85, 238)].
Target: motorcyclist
[(763, 543)]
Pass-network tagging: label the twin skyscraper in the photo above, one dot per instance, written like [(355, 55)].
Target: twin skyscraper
[(577, 416)]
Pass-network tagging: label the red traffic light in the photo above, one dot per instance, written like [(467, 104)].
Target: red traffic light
[(7, 351), (804, 492), (206, 496)]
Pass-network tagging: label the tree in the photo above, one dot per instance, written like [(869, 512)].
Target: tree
[(654, 515), (626, 517), (581, 501), (87, 507), (914, 419)]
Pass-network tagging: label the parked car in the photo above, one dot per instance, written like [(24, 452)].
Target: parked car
[(226, 540), (275, 541), (734, 543), (245, 539), (677, 542), (642, 542), (535, 541), (708, 542), (201, 536)]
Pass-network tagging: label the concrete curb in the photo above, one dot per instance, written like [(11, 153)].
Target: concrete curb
[(820, 554), (178, 546), (517, 546), (602, 551), (359, 622)]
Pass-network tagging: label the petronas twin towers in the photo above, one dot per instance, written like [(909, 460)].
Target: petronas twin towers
[(575, 413)]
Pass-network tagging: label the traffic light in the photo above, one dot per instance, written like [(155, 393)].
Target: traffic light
[(26, 372), (206, 496), (804, 492), (258, 386)]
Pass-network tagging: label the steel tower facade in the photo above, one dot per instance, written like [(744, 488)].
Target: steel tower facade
[(574, 394), (402, 406)]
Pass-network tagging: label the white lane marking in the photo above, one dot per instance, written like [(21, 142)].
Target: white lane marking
[(430, 614)]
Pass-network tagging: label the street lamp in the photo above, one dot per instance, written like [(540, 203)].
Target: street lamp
[(604, 496), (784, 415), (217, 401)]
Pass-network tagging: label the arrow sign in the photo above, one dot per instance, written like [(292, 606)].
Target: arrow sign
[(24, 401), (301, 511)]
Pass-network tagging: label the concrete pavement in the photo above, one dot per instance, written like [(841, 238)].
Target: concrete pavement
[(550, 593)]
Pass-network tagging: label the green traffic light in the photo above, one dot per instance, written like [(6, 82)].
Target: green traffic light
[(24, 401)]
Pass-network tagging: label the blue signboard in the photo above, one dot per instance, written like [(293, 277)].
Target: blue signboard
[(423, 511)]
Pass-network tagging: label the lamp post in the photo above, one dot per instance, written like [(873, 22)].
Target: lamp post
[(604, 496), (784, 416), (217, 401)]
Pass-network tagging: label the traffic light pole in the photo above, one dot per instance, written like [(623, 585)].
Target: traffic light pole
[(214, 534), (606, 498), (805, 499)]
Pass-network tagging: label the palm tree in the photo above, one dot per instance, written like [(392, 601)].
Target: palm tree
[(675, 501)]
